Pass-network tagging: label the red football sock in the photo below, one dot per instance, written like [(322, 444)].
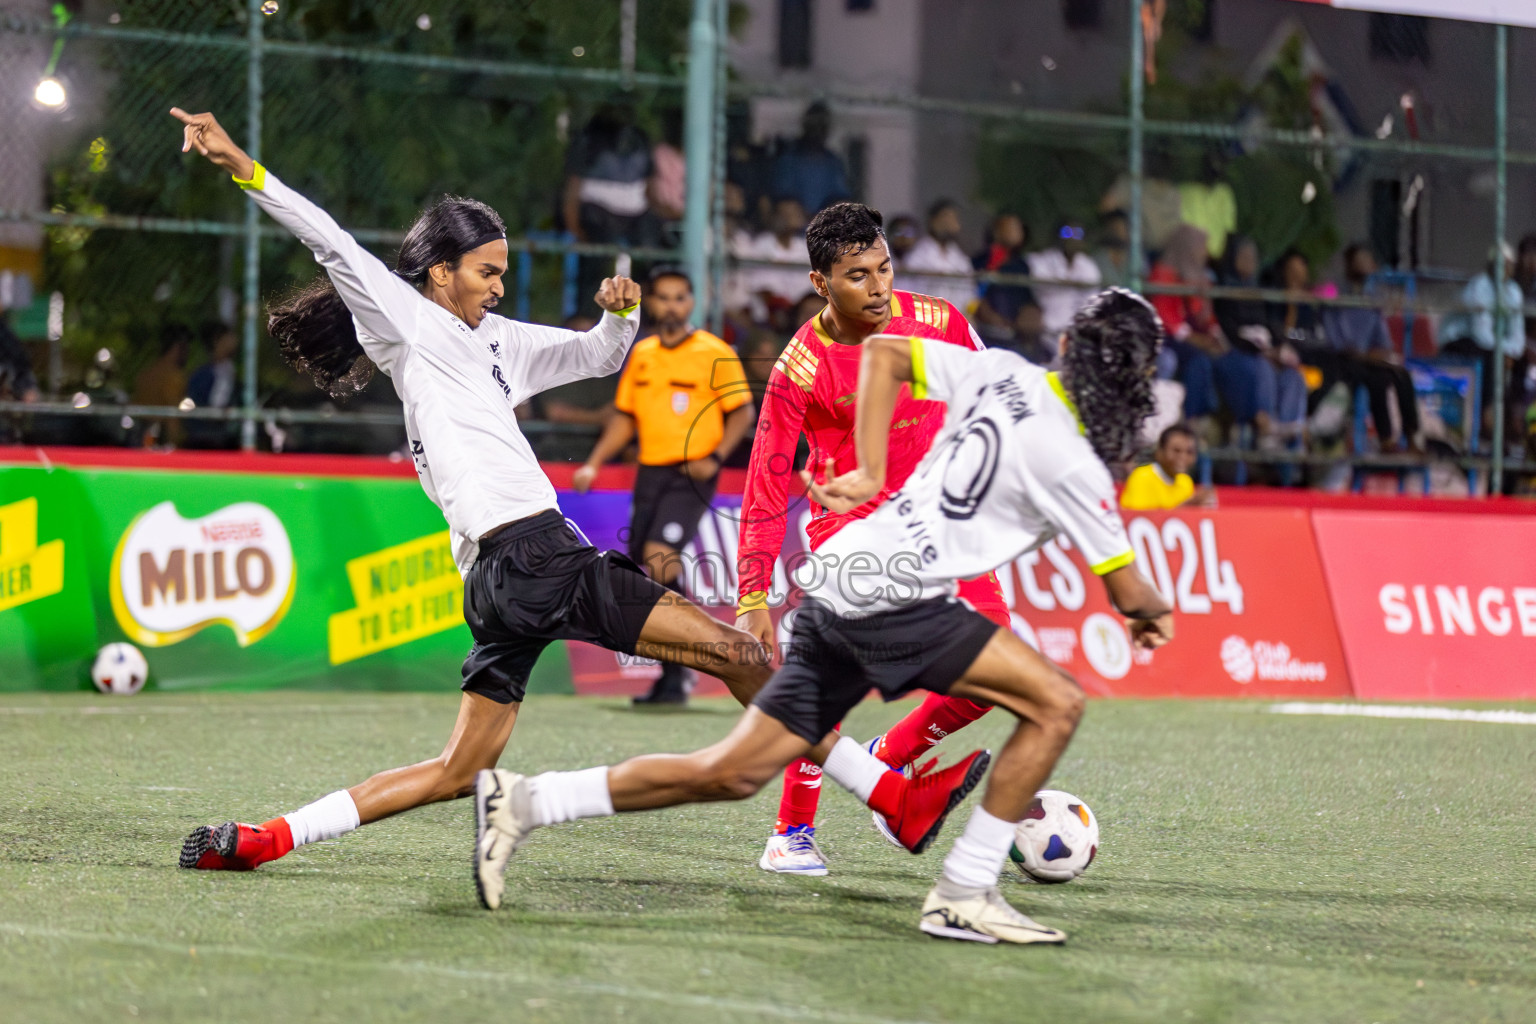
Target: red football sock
[(279, 841), (802, 792), (888, 793), (935, 718)]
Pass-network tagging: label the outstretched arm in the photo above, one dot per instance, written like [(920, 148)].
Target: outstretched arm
[(384, 305), (886, 365), (1134, 596)]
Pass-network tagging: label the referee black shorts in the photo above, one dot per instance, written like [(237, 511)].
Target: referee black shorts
[(535, 581), (667, 508), (831, 662)]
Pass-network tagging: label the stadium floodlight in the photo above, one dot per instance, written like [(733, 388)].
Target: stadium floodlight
[(50, 93)]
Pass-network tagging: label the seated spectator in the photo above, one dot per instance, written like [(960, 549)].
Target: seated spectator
[(608, 172), (1470, 334), (736, 292), (1000, 304), (1068, 261), (164, 382), (212, 386), (17, 382), (1360, 338), (1165, 482), (1260, 383), (901, 235), (776, 289), (1194, 339), (667, 190), (939, 252), (806, 169), (1114, 253)]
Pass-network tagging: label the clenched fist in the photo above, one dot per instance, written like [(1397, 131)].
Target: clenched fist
[(616, 293)]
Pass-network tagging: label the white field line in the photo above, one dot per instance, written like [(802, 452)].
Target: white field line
[(552, 988), (1397, 711), (235, 707)]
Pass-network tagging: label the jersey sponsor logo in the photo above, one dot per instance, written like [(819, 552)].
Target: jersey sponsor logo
[(680, 402), (500, 380), (970, 469), (28, 571), (1268, 661), (495, 348), (173, 576)]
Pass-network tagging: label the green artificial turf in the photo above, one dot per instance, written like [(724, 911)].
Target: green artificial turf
[(1254, 867)]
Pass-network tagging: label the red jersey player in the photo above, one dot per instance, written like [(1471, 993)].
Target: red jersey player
[(811, 390)]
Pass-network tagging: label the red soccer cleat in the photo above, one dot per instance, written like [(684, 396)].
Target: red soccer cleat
[(235, 846), (925, 800)]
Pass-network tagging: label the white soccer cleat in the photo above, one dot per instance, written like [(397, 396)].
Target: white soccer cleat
[(981, 916), (794, 853), (503, 820)]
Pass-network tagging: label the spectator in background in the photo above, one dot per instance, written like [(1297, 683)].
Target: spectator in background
[(17, 382), (997, 311), (1471, 334), (776, 289), (1260, 383), (164, 382), (1194, 338), (736, 288), (759, 351), (1360, 338), (901, 235), (212, 386), (806, 169), (1068, 262), (1114, 253), (608, 171), (938, 252), (1165, 482), (667, 190), (683, 394)]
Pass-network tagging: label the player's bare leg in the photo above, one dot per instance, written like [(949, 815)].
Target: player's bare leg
[(965, 903), (509, 807), (479, 736), (680, 631), (665, 565)]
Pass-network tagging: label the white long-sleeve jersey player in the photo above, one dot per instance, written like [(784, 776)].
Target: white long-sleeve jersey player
[(1009, 470), (459, 385)]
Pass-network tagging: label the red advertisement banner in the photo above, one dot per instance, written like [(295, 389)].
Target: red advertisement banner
[(1251, 612), (1434, 606)]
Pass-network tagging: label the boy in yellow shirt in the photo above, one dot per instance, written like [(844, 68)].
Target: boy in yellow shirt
[(1165, 482)]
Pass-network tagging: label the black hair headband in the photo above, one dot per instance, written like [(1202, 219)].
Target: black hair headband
[(489, 236)]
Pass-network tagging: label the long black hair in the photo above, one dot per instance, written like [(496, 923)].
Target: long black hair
[(313, 326), (1108, 368)]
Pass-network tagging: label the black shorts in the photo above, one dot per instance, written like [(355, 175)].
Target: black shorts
[(830, 662), (667, 508), (536, 581)]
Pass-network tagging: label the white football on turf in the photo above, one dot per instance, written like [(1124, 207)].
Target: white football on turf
[(120, 669), (1057, 839)]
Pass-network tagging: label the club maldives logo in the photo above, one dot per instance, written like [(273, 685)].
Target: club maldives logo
[(1271, 662), (173, 576)]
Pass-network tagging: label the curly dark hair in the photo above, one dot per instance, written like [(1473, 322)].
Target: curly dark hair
[(1108, 366), (312, 325), (842, 229)]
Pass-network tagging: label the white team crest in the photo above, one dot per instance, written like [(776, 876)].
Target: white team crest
[(679, 402)]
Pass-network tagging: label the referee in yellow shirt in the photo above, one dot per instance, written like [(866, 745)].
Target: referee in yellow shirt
[(1165, 482), (685, 395)]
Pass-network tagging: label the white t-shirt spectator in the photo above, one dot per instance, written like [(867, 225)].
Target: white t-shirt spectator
[(1060, 303), (930, 256), (790, 284)]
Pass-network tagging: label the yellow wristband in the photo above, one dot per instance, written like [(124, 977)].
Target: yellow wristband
[(754, 602), (257, 180), (627, 310)]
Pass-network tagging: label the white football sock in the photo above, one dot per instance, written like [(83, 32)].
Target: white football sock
[(854, 768), (326, 818), (978, 855), (566, 796)]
